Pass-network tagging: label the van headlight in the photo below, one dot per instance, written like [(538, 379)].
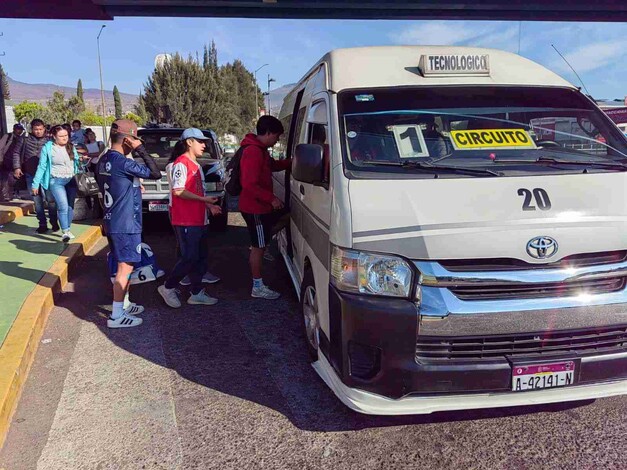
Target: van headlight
[(368, 273)]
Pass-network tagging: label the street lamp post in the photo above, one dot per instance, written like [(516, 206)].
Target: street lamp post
[(257, 94), (270, 80), (104, 115)]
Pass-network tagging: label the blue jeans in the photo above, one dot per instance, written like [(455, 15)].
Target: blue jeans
[(64, 192), (194, 245), (39, 203)]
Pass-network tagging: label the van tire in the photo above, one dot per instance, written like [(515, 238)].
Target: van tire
[(309, 314)]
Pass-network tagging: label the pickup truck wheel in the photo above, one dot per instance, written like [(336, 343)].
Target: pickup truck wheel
[(221, 222), (309, 314)]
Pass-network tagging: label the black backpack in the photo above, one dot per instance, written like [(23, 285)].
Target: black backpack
[(234, 184)]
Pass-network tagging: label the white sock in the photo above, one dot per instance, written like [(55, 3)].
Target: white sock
[(117, 310), (127, 301), (257, 283)]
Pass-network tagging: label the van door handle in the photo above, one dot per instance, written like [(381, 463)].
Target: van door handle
[(302, 189)]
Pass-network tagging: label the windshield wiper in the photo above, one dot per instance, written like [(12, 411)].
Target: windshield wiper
[(435, 168), (613, 165), (581, 162)]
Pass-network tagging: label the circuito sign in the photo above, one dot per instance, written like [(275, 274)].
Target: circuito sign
[(492, 138), (455, 64)]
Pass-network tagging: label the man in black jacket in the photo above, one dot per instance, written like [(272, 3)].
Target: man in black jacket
[(25, 162), (7, 144)]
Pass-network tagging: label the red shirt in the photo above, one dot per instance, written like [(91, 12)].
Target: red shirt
[(187, 174), (256, 167)]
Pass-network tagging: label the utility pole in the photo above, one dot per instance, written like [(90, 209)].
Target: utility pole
[(270, 80), (104, 115), (257, 94)]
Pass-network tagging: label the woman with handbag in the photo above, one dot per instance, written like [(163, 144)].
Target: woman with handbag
[(59, 163)]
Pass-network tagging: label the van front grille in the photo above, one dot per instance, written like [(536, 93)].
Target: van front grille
[(157, 186), (537, 291), (604, 340), (506, 264)]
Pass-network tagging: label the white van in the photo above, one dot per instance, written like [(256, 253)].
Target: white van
[(458, 233)]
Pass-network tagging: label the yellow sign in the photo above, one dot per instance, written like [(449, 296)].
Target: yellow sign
[(492, 138)]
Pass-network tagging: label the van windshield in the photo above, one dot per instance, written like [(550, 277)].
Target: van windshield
[(510, 130)]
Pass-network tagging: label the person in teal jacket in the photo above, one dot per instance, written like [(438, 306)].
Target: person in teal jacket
[(58, 163)]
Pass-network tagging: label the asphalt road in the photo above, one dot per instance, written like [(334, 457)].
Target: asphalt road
[(229, 386)]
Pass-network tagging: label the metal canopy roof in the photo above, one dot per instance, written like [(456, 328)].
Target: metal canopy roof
[(527, 10)]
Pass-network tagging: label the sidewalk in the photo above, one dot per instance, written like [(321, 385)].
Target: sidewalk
[(25, 256), (33, 268)]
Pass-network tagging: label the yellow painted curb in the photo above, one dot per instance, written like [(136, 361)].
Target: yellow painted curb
[(11, 211), (19, 348)]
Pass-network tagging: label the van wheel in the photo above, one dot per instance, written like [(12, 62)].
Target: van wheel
[(309, 312)]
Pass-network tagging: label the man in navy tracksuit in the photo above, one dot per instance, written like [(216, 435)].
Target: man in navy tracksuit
[(118, 178)]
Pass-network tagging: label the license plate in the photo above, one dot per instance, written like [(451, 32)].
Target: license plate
[(157, 207), (539, 376)]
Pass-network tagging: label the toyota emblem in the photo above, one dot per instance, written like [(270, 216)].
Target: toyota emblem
[(541, 247)]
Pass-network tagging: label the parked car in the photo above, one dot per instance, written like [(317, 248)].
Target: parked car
[(159, 143)]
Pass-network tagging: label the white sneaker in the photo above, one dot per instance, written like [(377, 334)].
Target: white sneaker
[(169, 296), (208, 278), (67, 236), (124, 321), (134, 309), (201, 299), (264, 292)]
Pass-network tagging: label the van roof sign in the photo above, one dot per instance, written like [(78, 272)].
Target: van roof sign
[(444, 65)]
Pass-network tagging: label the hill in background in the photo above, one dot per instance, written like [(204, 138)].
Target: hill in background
[(42, 92), (276, 98)]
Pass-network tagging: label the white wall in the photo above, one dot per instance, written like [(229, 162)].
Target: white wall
[(98, 131)]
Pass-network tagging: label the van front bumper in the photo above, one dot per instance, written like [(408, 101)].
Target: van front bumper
[(371, 355), (374, 404)]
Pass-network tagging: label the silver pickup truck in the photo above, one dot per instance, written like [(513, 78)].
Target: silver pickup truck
[(159, 143)]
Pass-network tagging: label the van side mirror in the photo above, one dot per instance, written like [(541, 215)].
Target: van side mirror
[(308, 164)]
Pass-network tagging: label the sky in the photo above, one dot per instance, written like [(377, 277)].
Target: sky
[(597, 51)]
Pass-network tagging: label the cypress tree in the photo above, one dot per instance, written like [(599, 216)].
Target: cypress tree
[(79, 91), (117, 102)]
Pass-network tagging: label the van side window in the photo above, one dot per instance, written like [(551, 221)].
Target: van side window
[(318, 135), (300, 119), (281, 146)]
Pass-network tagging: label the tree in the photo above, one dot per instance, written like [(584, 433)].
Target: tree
[(188, 92), (75, 106), (79, 91), (5, 84), (140, 109), (180, 93), (90, 118), (117, 101), (135, 118), (57, 110), (26, 111)]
